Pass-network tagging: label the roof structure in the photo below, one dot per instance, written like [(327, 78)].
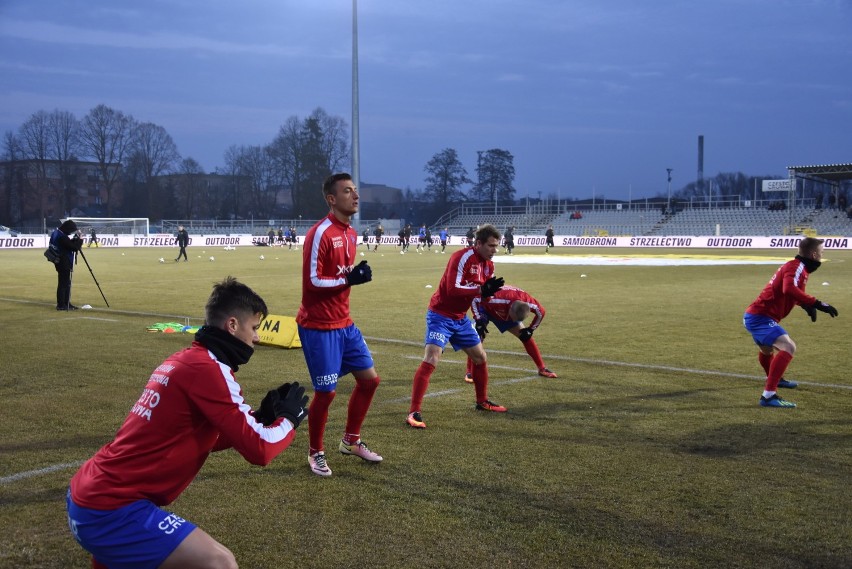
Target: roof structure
[(827, 172)]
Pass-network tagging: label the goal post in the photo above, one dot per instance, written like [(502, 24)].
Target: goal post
[(112, 225)]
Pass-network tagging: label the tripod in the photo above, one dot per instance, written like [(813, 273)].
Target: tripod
[(93, 276)]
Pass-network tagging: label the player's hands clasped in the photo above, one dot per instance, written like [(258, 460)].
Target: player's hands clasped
[(293, 404), (288, 401), (525, 334), (811, 311), (825, 307), (491, 286), (360, 274)]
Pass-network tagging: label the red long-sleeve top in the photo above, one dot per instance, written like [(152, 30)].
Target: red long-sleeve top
[(783, 292), (191, 405), (465, 273)]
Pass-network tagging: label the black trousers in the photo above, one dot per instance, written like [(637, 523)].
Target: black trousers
[(63, 286)]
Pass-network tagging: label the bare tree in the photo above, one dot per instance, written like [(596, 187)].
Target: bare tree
[(12, 179), (233, 169), (155, 153), (34, 140), (288, 156), (333, 140), (305, 152), (64, 141), (258, 165), (190, 190), (107, 136), (446, 176), (495, 172)]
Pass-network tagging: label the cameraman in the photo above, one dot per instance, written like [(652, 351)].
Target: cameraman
[(66, 241)]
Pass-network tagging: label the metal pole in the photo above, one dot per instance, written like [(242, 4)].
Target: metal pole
[(669, 202), (93, 276), (356, 148)]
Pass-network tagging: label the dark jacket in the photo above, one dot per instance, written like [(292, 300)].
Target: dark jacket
[(65, 239)]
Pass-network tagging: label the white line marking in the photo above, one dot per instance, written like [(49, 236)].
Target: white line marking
[(620, 364), (39, 472)]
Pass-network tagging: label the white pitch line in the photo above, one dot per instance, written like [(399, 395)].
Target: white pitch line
[(624, 364), (39, 472)]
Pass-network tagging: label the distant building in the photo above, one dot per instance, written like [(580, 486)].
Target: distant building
[(379, 200), (34, 190)]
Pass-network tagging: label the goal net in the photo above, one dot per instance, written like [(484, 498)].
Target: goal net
[(112, 225)]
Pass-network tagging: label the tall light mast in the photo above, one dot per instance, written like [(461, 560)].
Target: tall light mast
[(356, 148)]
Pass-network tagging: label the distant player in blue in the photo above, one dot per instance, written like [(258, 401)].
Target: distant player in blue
[(443, 234), (421, 238)]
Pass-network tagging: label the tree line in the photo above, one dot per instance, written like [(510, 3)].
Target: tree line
[(133, 157), (141, 172)]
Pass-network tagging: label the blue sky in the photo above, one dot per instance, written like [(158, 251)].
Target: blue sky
[(588, 96)]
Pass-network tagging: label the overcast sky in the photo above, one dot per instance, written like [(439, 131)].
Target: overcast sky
[(589, 96)]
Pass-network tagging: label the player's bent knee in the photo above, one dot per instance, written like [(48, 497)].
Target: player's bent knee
[(199, 550)]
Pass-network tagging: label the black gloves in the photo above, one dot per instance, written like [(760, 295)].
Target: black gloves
[(491, 286), (265, 414), (482, 328), (288, 401), (360, 274), (810, 310), (824, 307), (525, 335)]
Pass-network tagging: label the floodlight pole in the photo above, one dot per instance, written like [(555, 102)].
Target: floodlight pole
[(356, 148), (669, 203)]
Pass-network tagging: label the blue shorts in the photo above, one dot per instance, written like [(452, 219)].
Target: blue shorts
[(763, 329), (502, 325), (138, 535), (440, 330), (331, 354)]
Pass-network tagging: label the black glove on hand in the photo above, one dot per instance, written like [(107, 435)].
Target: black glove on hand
[(825, 307), (265, 414), (491, 286), (293, 404), (360, 274), (482, 328), (525, 334), (811, 312)]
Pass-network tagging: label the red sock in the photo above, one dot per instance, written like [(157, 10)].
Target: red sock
[(765, 361), (317, 417), (359, 404), (420, 385), (480, 381), (779, 364), (532, 349), (470, 367)]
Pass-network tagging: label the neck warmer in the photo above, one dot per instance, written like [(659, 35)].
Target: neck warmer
[(227, 349), (810, 264)]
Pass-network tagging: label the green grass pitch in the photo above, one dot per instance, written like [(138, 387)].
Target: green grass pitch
[(649, 450)]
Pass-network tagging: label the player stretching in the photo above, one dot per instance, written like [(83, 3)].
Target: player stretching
[(191, 406), (332, 344), (762, 318), (508, 309), (469, 274)]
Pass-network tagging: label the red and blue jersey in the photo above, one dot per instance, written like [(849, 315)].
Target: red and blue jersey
[(328, 255), (466, 272), (783, 292), (497, 307), (191, 405)]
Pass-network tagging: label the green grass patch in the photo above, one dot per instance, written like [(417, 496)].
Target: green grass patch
[(649, 450)]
